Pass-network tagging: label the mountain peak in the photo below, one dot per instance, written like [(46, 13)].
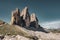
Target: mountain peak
[(26, 8), (24, 19), (24, 12), (17, 9)]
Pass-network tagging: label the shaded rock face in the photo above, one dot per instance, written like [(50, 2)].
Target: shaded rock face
[(24, 19), (21, 19), (33, 21)]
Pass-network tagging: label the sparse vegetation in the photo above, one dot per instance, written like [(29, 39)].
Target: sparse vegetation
[(7, 29), (54, 30), (14, 30)]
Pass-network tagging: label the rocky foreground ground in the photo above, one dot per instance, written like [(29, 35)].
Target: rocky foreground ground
[(39, 35), (26, 34)]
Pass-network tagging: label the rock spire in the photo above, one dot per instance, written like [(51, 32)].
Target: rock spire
[(24, 19)]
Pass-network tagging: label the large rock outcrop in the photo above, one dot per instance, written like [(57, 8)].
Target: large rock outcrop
[(24, 19)]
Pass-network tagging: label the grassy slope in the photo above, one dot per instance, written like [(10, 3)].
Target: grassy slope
[(14, 30)]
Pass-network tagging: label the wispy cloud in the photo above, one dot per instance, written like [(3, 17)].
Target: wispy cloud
[(52, 24)]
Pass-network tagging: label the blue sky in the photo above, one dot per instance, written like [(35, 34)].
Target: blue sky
[(45, 10)]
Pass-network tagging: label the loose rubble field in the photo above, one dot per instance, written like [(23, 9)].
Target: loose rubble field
[(40, 35)]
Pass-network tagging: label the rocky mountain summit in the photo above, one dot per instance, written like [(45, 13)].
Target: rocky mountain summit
[(24, 19)]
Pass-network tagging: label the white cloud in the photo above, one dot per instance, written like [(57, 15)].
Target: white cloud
[(52, 24)]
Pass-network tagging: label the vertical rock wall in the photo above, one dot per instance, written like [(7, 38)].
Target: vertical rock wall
[(24, 19)]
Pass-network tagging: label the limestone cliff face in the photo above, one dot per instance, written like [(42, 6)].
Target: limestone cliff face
[(15, 17), (26, 16), (24, 19), (24, 13)]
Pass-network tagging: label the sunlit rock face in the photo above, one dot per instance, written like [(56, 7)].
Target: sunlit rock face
[(26, 16), (33, 17)]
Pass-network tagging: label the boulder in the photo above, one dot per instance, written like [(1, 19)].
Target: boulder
[(2, 22)]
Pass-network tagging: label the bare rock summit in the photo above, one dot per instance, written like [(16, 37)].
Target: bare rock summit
[(24, 19)]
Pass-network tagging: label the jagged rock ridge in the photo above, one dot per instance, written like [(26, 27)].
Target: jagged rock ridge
[(24, 19)]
